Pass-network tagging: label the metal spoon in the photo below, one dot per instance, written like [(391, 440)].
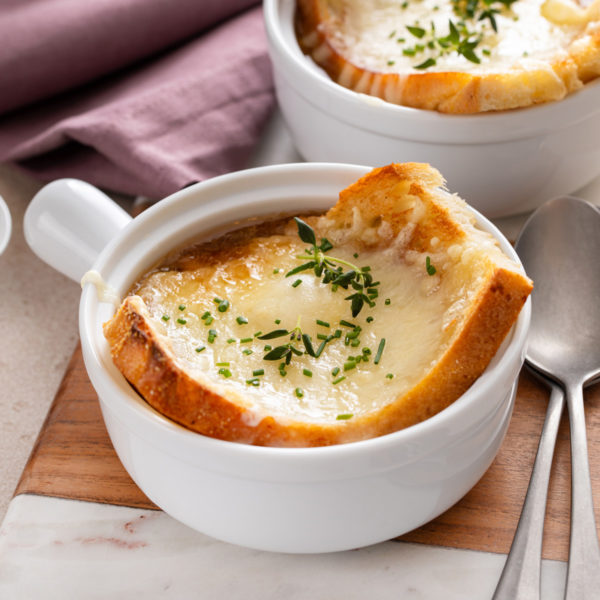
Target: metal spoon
[(559, 246)]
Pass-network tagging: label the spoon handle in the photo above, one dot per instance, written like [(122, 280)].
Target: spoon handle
[(520, 577), (583, 574)]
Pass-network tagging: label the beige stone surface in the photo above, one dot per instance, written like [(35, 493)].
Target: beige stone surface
[(38, 325)]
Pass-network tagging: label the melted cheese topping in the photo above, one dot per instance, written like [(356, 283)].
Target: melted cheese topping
[(417, 325), (373, 35)]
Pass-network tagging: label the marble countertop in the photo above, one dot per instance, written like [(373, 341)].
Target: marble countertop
[(54, 548)]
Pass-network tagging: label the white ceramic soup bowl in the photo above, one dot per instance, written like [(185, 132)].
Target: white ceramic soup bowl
[(279, 499), (501, 163)]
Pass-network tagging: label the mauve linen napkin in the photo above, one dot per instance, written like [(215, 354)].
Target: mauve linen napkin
[(137, 96)]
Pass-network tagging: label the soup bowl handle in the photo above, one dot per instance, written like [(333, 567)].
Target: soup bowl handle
[(69, 222)]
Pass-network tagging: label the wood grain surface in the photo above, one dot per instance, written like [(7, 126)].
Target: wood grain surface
[(73, 458)]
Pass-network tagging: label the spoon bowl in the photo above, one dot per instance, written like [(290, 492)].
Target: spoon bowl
[(559, 246)]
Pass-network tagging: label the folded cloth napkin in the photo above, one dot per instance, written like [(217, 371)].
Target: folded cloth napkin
[(134, 96)]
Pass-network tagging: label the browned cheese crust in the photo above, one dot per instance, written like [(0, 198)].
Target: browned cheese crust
[(447, 92), (146, 360)]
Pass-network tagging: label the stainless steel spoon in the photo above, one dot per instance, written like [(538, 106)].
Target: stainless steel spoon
[(559, 246)]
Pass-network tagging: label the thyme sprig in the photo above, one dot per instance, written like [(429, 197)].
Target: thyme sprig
[(460, 39), (331, 269), (290, 349)]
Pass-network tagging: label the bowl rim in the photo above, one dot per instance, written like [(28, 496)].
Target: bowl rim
[(117, 394), (394, 120)]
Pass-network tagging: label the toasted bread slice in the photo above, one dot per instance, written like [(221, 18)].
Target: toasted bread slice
[(402, 53), (447, 298)]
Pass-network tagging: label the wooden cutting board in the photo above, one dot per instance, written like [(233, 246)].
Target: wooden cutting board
[(74, 458)]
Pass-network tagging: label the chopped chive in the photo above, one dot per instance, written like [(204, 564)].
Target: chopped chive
[(165, 317), (241, 320), (205, 315), (366, 350), (307, 372), (347, 324), (255, 381), (321, 347), (349, 365), (431, 270), (322, 336), (277, 321), (257, 333), (344, 417), (200, 348), (387, 301), (223, 306), (338, 380), (356, 253), (370, 319), (246, 340), (181, 307), (231, 340), (267, 347), (275, 271), (335, 371), (222, 364), (247, 351), (390, 376), (258, 372), (181, 321), (390, 64), (355, 343), (217, 300), (208, 320), (337, 333), (225, 372), (299, 393), (323, 323), (296, 283), (212, 334), (379, 351)]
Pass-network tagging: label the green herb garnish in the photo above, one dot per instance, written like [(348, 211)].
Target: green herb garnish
[(241, 320), (330, 269), (379, 351), (344, 417), (431, 270)]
